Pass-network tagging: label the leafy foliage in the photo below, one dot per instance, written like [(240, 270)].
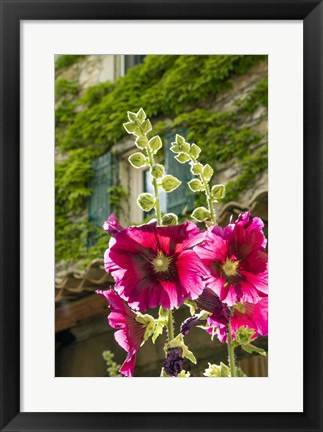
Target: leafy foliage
[(65, 61), (64, 87), (87, 125)]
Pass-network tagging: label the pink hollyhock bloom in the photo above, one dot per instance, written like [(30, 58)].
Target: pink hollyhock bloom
[(252, 315), (236, 260), (154, 265), (130, 334)]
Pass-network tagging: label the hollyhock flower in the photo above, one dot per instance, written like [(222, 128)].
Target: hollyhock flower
[(154, 265), (252, 315), (133, 330), (236, 260)]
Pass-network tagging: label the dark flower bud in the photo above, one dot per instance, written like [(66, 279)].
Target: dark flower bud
[(189, 323), (173, 364)]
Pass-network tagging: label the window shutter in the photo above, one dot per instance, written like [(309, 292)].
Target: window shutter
[(99, 206), (182, 199)]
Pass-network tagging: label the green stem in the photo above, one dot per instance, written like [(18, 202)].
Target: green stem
[(170, 326), (231, 352), (208, 199), (207, 193), (155, 185)]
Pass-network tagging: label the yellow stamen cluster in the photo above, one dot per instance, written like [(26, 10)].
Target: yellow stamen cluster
[(161, 262), (230, 268)]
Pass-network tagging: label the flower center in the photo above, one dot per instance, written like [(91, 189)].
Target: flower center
[(230, 268), (161, 263)]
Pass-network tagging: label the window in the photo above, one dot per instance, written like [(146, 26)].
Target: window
[(132, 60), (182, 199), (98, 205)]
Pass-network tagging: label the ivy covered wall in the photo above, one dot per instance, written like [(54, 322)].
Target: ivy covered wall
[(220, 100)]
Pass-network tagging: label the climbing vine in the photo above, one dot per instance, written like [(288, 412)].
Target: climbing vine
[(89, 123)]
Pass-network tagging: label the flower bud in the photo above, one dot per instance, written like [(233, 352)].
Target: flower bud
[(170, 219), (195, 151), (141, 142), (182, 157), (201, 214), (244, 335), (179, 139), (146, 126), (218, 191), (207, 172), (197, 168), (141, 115), (131, 128), (137, 160), (155, 143), (131, 116), (170, 183), (173, 364), (195, 185), (157, 171), (146, 201)]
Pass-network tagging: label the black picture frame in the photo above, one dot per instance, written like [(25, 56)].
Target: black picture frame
[(12, 13)]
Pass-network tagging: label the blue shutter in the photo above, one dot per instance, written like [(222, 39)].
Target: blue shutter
[(182, 199), (103, 178)]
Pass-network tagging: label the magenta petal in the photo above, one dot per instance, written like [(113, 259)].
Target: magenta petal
[(111, 225), (190, 272), (130, 332), (255, 317), (249, 292), (121, 338), (259, 281), (128, 366)]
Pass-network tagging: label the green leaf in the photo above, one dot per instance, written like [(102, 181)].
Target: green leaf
[(155, 143), (175, 148), (170, 183), (207, 172), (197, 168), (195, 151), (181, 144), (179, 139), (192, 306), (195, 185), (157, 171), (244, 335), (137, 160), (132, 116), (141, 115), (170, 219), (190, 356), (146, 126), (182, 158), (217, 371), (249, 348), (218, 191), (131, 128), (141, 142), (146, 201), (158, 331), (201, 214), (161, 323)]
